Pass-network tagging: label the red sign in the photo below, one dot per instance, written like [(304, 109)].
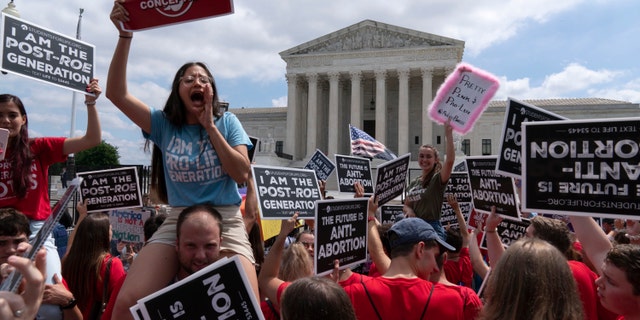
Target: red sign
[(147, 14)]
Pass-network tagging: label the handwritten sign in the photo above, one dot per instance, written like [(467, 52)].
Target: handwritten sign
[(219, 291), (351, 170), (321, 165), (282, 192), (44, 55), (110, 189), (509, 162), (340, 233), (582, 167), (463, 97), (491, 189), (392, 178), (128, 224), (144, 14)]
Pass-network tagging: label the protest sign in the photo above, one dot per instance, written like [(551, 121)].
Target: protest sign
[(462, 97), (128, 224), (391, 213), (282, 192), (391, 178), (509, 231), (110, 189), (351, 170), (252, 152), (145, 14), (458, 186), (44, 55), (340, 233), (489, 188), (517, 112), (582, 167), (321, 165), (476, 219), (219, 291)]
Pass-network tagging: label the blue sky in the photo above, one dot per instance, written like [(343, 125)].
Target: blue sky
[(538, 49)]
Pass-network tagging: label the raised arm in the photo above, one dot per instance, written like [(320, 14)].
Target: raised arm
[(117, 90), (93, 135), (447, 167), (464, 231), (376, 250), (268, 277), (478, 264), (494, 244), (593, 239)]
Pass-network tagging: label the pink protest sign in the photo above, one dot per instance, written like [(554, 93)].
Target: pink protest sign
[(144, 14), (463, 97)]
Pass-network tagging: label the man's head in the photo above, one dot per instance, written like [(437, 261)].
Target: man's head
[(14, 229), (199, 230), (413, 238), (307, 239)]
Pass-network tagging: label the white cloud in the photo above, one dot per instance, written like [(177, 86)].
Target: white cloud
[(279, 102)]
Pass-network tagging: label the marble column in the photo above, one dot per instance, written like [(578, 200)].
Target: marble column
[(332, 146), (356, 99), (403, 111), (427, 97), (312, 114), (381, 105), (293, 126)]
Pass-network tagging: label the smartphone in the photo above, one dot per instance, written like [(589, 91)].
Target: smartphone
[(4, 139)]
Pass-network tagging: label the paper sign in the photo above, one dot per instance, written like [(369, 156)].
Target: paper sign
[(463, 97), (145, 14), (489, 188), (392, 178), (128, 224), (352, 170), (321, 165), (110, 189)]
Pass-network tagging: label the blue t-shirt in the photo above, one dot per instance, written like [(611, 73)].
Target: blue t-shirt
[(192, 169)]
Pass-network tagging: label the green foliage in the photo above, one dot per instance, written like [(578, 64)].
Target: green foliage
[(103, 154)]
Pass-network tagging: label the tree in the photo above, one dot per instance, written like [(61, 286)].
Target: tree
[(103, 154)]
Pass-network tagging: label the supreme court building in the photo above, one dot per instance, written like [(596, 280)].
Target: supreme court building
[(381, 78)]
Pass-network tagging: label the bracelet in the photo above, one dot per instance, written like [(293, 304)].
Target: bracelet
[(490, 231), (126, 37), (90, 103), (72, 303), (369, 219)]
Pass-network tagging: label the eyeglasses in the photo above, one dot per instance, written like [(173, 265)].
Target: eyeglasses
[(191, 80)]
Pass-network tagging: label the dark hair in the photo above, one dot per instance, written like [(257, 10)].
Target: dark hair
[(152, 224), (21, 156), (81, 266), (407, 248), (382, 231), (308, 231), (175, 111), (454, 239), (626, 257), (556, 233), (13, 223), (188, 211), (314, 298), (257, 245)]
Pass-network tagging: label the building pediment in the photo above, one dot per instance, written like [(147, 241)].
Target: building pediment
[(371, 35)]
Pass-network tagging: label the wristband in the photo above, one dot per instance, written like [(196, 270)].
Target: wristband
[(90, 103), (126, 37), (72, 303), (369, 219), (490, 231)]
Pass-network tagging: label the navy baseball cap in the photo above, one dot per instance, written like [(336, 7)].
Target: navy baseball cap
[(413, 230)]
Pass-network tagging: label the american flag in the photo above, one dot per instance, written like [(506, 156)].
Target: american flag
[(364, 145)]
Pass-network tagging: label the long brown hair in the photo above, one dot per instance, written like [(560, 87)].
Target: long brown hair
[(175, 111), (81, 266), (436, 167), (21, 157)]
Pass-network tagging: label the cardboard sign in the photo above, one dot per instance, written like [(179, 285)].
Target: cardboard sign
[(219, 291), (582, 167), (391, 213), (321, 164), (282, 192), (489, 188), (392, 178), (44, 55), (462, 97), (341, 233), (128, 225), (459, 186), (145, 14), (351, 170), (517, 112), (110, 189), (509, 232)]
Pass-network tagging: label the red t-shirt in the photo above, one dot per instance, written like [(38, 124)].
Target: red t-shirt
[(586, 283), (460, 272), (35, 205), (401, 298), (463, 300), (116, 277)]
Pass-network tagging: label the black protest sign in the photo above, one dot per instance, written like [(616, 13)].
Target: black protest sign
[(219, 291), (252, 152), (321, 165), (282, 192), (517, 112), (509, 231), (582, 167), (391, 213), (458, 186), (44, 55), (351, 170), (110, 189), (392, 178), (489, 188), (341, 233)]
